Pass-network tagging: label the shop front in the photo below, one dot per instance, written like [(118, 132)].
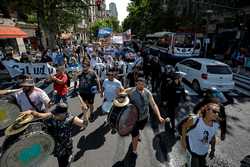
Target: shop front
[(11, 36)]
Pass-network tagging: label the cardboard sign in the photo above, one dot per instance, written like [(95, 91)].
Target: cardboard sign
[(117, 40)]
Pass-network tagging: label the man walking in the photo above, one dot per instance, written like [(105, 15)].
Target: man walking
[(89, 85), (141, 97)]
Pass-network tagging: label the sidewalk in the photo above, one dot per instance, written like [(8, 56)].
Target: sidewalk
[(243, 71)]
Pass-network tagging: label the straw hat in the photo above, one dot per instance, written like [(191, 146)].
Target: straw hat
[(28, 82), (20, 124), (122, 100)]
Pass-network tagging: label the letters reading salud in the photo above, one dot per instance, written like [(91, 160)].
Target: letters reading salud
[(36, 70)]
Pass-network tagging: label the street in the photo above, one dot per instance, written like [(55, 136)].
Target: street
[(97, 147), (189, 51)]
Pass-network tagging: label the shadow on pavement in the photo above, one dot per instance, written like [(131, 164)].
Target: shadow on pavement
[(2, 132), (243, 99), (162, 144), (125, 162), (98, 112), (91, 142), (245, 162)]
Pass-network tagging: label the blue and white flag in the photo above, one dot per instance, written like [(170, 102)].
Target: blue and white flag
[(104, 32)]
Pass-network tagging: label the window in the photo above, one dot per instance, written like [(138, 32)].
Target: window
[(164, 42), (186, 62), (192, 64), (196, 65), (184, 40), (218, 69)]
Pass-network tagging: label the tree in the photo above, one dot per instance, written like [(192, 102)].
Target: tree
[(139, 17), (111, 22), (148, 16), (53, 16)]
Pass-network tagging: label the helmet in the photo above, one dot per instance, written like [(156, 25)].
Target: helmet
[(213, 92), (169, 69)]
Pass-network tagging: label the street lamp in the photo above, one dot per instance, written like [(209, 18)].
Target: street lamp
[(207, 41)]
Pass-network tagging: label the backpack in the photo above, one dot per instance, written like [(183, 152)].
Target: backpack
[(68, 80), (179, 126)]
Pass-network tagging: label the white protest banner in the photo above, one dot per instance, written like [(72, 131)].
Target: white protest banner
[(36, 70), (117, 39), (127, 35)]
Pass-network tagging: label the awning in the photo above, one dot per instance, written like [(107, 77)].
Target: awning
[(11, 32)]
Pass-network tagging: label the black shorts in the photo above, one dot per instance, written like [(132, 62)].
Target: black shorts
[(139, 126), (88, 97)]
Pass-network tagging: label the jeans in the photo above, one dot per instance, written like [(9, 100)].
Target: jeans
[(58, 98)]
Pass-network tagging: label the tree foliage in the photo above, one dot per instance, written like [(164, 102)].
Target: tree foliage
[(53, 16), (148, 16), (111, 22)]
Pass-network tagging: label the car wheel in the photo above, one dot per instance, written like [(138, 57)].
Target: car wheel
[(196, 86)]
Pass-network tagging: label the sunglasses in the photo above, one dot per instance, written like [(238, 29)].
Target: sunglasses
[(214, 110)]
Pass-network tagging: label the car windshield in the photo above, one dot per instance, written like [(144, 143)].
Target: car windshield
[(184, 40), (218, 69)]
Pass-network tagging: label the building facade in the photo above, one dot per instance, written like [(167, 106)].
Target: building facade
[(113, 10)]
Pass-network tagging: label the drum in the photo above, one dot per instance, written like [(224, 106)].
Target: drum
[(29, 148), (9, 111), (106, 106), (123, 119)]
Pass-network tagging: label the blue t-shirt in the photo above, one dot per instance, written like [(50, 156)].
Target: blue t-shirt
[(110, 88)]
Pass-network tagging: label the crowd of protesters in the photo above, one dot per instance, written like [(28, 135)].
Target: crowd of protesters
[(108, 71)]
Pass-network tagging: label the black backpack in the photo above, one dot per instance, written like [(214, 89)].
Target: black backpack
[(68, 80), (179, 126)]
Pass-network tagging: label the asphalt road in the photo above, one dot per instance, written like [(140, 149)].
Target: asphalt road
[(97, 147)]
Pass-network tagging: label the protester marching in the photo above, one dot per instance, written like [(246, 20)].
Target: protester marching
[(123, 79)]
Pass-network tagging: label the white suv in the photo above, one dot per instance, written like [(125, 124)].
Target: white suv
[(205, 73)]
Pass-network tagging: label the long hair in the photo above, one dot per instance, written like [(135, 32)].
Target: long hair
[(198, 107)]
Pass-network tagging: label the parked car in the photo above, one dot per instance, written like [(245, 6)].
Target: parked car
[(205, 73)]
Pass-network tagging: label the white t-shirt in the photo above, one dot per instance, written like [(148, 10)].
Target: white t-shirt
[(94, 61), (110, 88), (38, 97), (200, 137), (89, 50)]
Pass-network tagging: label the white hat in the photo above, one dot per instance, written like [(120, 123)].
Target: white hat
[(122, 100)]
